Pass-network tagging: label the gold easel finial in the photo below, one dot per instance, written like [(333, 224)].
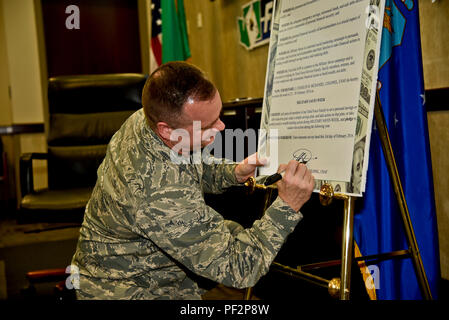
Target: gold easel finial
[(250, 183), (326, 194), (334, 288)]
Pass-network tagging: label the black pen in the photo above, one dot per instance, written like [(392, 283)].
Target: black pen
[(277, 176)]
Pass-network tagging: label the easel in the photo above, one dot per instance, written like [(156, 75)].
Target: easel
[(340, 287)]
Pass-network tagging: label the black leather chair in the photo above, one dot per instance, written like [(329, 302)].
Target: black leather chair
[(84, 112)]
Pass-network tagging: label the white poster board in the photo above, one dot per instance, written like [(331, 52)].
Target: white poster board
[(320, 89)]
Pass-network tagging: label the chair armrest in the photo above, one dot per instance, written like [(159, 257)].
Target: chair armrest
[(26, 171), (47, 275)]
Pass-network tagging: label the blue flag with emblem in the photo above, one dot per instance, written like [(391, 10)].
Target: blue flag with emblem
[(378, 226)]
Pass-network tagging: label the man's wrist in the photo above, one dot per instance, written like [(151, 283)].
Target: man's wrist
[(234, 178), (294, 207)]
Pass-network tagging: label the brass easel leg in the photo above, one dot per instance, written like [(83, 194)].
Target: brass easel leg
[(347, 248), (248, 293), (398, 190)]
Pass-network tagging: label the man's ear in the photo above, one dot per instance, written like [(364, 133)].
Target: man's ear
[(164, 130)]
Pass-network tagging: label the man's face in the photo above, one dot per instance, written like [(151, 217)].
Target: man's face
[(201, 120)]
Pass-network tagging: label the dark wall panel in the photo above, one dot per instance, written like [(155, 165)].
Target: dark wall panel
[(106, 42)]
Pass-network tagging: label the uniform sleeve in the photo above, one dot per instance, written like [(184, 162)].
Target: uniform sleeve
[(218, 174), (184, 227)]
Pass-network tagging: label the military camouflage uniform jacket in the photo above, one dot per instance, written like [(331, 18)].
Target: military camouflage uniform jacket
[(147, 222)]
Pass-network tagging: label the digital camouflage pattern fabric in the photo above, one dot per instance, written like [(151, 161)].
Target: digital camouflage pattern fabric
[(147, 227)]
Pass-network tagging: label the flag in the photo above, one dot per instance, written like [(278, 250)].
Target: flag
[(378, 226), (156, 35), (169, 40), (175, 45)]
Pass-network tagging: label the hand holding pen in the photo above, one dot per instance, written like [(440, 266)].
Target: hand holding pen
[(277, 176), (295, 185)]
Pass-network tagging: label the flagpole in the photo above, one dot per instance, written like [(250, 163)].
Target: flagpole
[(398, 190)]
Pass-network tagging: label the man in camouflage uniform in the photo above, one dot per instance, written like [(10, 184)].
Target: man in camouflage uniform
[(147, 228)]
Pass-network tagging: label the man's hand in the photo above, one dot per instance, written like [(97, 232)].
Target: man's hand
[(296, 186), (247, 168)]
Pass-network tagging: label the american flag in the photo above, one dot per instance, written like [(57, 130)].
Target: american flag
[(156, 35)]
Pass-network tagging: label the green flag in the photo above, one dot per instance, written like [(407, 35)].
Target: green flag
[(175, 42)]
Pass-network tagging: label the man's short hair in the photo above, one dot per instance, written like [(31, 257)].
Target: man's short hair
[(168, 88)]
